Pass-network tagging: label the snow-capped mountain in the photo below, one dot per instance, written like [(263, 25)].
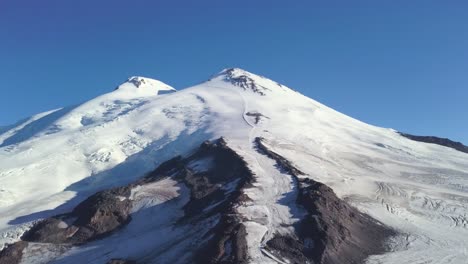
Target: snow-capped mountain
[(238, 169)]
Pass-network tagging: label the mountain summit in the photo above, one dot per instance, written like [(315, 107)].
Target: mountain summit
[(248, 81), (238, 169), (145, 85)]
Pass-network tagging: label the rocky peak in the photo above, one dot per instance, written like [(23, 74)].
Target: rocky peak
[(247, 80), (244, 79), (145, 85)]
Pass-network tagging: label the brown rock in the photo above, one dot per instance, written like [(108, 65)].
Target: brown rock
[(13, 253)]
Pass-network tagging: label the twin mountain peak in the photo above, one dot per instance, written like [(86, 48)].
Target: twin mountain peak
[(235, 76)]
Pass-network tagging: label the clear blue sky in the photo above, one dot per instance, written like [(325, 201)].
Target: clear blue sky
[(399, 64)]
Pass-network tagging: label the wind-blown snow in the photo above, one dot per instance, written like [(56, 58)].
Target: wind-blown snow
[(47, 165)]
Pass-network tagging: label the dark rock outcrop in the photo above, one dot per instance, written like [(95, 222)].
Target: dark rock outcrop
[(136, 81), (215, 190), (208, 190), (339, 232), (243, 81), (288, 247), (282, 163), (13, 253), (258, 116), (332, 231), (437, 140), (95, 217)]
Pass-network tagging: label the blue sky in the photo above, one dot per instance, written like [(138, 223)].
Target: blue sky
[(399, 64)]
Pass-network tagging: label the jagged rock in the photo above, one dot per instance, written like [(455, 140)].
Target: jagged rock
[(437, 140), (102, 213), (13, 253), (242, 79), (93, 218), (228, 167), (109, 210), (257, 116), (340, 233), (333, 231), (282, 163)]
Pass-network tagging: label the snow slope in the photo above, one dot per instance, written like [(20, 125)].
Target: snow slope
[(54, 160)]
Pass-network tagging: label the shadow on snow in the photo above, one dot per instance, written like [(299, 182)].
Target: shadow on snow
[(131, 169)]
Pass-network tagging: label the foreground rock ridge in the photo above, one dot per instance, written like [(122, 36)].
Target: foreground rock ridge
[(214, 189), (236, 169), (332, 231), (215, 175)]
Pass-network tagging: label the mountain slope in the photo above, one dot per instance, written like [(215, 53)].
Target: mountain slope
[(53, 161)]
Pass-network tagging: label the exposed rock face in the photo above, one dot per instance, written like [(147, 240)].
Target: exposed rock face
[(145, 86), (332, 231), (93, 218), (103, 212), (214, 189), (241, 79), (258, 116), (340, 233), (227, 243), (282, 163), (136, 81), (13, 253), (437, 140)]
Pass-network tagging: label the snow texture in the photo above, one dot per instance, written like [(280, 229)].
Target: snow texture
[(52, 161)]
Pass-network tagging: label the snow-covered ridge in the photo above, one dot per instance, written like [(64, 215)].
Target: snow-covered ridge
[(144, 85), (51, 162), (249, 81)]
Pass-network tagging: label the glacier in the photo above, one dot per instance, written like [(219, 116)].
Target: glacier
[(52, 161)]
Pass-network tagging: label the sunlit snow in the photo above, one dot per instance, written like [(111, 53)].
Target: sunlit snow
[(52, 161)]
